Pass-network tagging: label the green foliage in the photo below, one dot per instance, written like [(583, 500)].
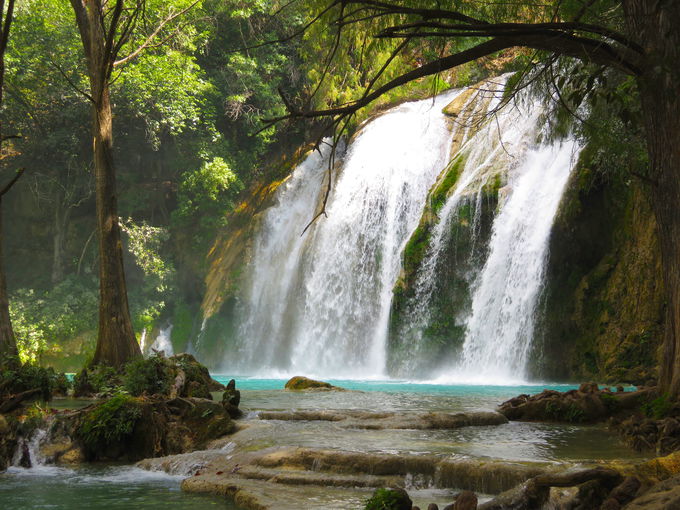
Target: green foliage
[(33, 419), (149, 246), (110, 422), (658, 408), (44, 320), (149, 376), (204, 198), (28, 376), (98, 379)]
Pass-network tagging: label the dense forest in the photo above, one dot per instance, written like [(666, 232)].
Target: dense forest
[(435, 207)]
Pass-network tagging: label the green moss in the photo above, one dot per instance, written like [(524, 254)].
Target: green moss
[(439, 194), (658, 408), (109, 423), (416, 248)]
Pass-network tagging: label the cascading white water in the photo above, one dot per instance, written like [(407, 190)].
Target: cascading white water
[(162, 342), (501, 324), (499, 327), (319, 303)]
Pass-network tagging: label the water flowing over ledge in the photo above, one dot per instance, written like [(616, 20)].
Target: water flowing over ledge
[(320, 303)]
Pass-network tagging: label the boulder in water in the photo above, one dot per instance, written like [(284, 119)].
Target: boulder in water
[(231, 398), (389, 499), (466, 500), (299, 383)]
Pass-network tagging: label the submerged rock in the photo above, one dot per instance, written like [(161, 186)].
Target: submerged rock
[(386, 420), (299, 382)]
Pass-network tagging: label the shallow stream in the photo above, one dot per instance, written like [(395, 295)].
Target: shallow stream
[(114, 487)]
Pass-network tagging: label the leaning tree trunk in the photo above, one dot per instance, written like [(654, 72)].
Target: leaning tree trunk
[(116, 342), (657, 25)]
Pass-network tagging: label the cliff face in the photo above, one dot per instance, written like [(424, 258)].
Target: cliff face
[(603, 306)]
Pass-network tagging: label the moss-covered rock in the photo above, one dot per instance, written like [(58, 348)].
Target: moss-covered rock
[(177, 376), (132, 428), (588, 404), (299, 383), (389, 499)]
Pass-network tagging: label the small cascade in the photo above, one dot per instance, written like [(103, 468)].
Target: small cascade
[(320, 303), (162, 343), (28, 455)]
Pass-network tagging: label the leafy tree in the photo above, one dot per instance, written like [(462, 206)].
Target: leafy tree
[(204, 198), (105, 30), (634, 39)]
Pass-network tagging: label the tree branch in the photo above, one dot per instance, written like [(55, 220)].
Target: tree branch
[(153, 35), (11, 183)]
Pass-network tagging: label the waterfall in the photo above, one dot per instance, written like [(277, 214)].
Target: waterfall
[(162, 341), (501, 323), (28, 455), (498, 323), (319, 303)]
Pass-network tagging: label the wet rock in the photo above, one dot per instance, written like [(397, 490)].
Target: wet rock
[(662, 496), (389, 499), (622, 494), (134, 428), (466, 500), (299, 383), (231, 398), (586, 405), (589, 387)]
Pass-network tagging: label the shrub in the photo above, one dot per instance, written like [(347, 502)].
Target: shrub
[(148, 376), (96, 379), (28, 377), (659, 407)]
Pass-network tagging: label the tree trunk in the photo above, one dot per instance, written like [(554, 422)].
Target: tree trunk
[(9, 354), (116, 342), (657, 25), (8, 345)]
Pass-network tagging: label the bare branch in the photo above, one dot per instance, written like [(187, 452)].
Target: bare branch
[(11, 183), (70, 82), (153, 35)]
